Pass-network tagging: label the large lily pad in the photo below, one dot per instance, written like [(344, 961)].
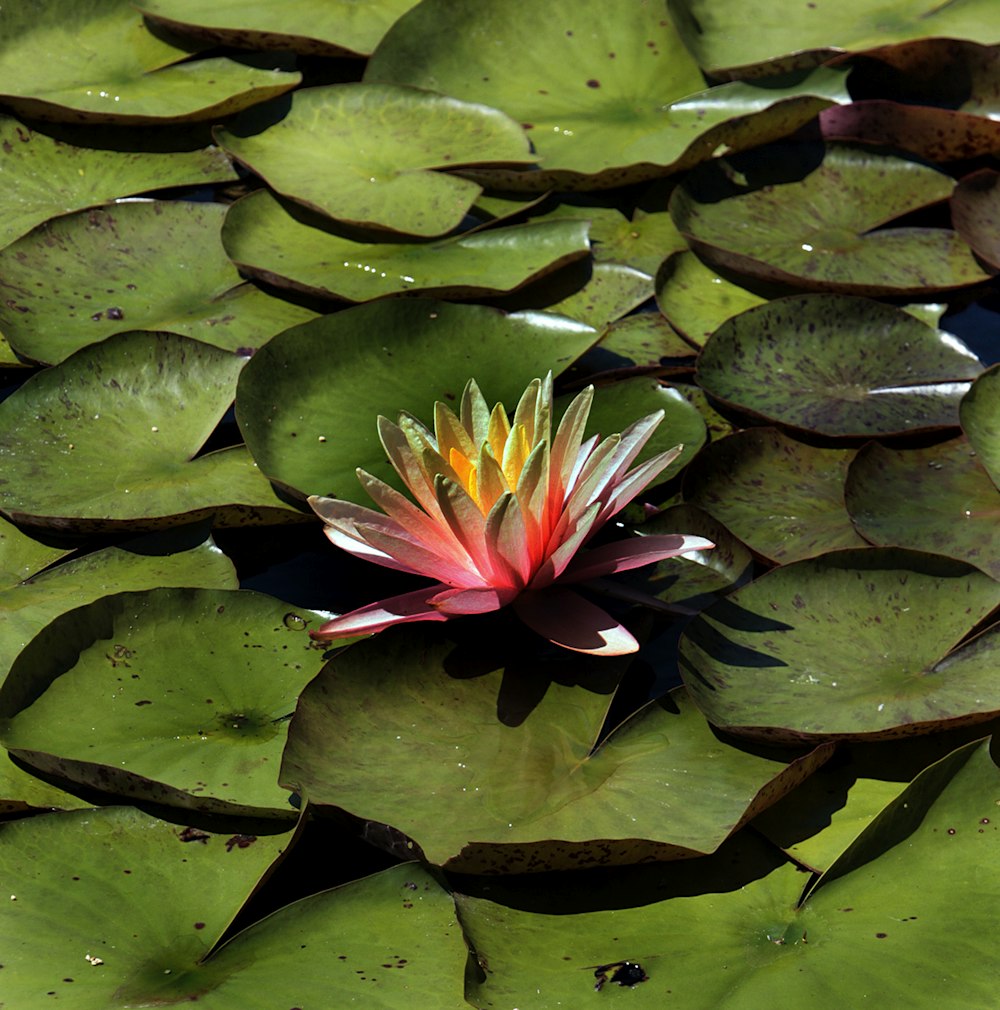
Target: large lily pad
[(268, 241), (98, 697), (937, 499), (980, 415), (839, 366), (309, 400), (823, 230), (432, 760), (380, 141), (121, 440), (612, 291), (813, 650), (57, 302), (783, 498), (886, 911)]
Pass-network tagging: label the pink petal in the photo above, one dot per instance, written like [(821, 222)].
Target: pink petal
[(626, 554), (396, 610), (412, 556), (567, 619), (455, 602)]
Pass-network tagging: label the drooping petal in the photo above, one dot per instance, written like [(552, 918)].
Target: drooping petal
[(404, 609), (565, 618), (624, 555)]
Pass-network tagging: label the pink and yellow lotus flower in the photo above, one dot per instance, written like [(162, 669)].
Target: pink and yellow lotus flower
[(502, 513)]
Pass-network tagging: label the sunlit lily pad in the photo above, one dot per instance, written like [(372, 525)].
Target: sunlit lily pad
[(121, 440), (98, 62), (980, 414), (936, 499), (823, 230), (612, 291), (853, 644), (608, 100), (838, 365), (380, 142), (313, 27), (83, 277), (99, 697), (643, 340), (883, 921), (433, 760), (309, 400), (783, 498), (643, 242), (264, 238)]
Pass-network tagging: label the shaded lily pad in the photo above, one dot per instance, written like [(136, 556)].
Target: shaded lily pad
[(889, 906), (980, 414), (98, 698), (813, 650), (45, 177), (783, 498), (936, 499), (823, 230), (80, 278), (265, 239), (643, 242), (380, 141), (611, 100), (122, 440), (313, 27), (612, 291), (98, 62), (975, 212), (308, 401), (839, 366), (516, 799), (643, 340)]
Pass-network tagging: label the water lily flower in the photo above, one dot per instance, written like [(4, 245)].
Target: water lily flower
[(501, 513)]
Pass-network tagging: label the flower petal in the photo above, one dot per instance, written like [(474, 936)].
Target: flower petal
[(456, 602), (624, 555), (404, 609), (567, 619)]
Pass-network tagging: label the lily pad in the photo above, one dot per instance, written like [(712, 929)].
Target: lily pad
[(936, 499), (783, 498), (838, 365), (514, 799), (823, 230), (311, 27), (268, 241), (980, 414), (643, 340), (99, 698), (381, 142), (643, 242), (812, 650), (975, 212), (123, 440), (612, 291), (308, 401), (97, 61)]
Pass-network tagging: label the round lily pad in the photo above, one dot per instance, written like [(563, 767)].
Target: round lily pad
[(612, 291), (643, 242), (381, 141), (838, 365), (975, 212), (642, 340), (980, 414), (814, 650)]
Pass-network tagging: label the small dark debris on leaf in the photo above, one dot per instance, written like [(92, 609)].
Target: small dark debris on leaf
[(240, 841), (194, 835), (628, 973)]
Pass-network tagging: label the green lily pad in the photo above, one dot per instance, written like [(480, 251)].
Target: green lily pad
[(936, 499), (854, 644), (612, 291), (823, 230), (696, 300), (980, 414), (716, 425), (975, 212), (312, 27), (838, 365), (885, 925), (266, 240), (643, 340), (122, 441), (433, 760), (21, 792), (381, 141), (606, 101), (57, 302), (308, 401), (99, 698), (643, 242), (97, 61), (46, 178), (783, 498)]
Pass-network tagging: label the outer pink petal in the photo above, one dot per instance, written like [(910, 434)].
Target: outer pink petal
[(455, 602), (412, 556), (567, 619), (376, 616), (626, 554)]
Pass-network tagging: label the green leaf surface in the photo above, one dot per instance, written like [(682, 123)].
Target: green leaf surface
[(308, 401), (99, 698), (612, 291), (386, 734), (783, 498), (57, 302), (380, 142), (819, 225), (938, 499), (885, 930), (644, 340), (852, 644), (21, 792), (975, 213), (122, 438), (980, 415), (266, 240), (838, 365), (643, 242), (96, 61)]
